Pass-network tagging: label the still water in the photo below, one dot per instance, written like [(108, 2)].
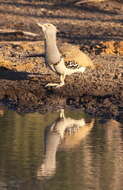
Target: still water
[(63, 150)]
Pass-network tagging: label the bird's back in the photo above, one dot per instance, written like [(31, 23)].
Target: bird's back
[(73, 53)]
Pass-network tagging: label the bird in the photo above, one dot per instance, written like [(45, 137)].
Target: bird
[(64, 132), (70, 59)]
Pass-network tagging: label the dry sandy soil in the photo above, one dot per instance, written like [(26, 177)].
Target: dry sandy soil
[(96, 27)]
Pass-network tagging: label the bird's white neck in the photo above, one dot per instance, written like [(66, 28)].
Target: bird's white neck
[(51, 50)]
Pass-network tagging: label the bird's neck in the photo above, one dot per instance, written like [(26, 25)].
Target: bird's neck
[(51, 49)]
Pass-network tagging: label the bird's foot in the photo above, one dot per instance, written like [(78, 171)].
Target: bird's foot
[(59, 85), (51, 85), (55, 85)]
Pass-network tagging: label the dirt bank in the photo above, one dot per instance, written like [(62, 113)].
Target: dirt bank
[(97, 28), (98, 92)]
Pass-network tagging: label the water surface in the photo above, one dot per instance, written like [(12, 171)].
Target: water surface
[(59, 151)]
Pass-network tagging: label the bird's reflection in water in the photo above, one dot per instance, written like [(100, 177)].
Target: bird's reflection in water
[(64, 132)]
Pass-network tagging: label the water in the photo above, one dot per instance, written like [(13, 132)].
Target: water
[(59, 151)]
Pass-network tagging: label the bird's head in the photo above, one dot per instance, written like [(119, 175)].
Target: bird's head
[(48, 29)]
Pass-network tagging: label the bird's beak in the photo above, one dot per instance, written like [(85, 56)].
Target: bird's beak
[(41, 25)]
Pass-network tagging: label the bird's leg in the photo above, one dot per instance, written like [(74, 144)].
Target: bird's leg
[(62, 113), (56, 85), (62, 78)]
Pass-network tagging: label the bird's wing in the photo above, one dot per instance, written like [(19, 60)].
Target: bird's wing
[(73, 53)]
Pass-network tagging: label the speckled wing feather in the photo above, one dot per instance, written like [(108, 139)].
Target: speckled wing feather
[(72, 65), (72, 54), (73, 137)]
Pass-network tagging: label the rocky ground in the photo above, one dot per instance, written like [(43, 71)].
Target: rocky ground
[(95, 27)]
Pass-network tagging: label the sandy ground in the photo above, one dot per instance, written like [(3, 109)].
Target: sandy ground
[(96, 27)]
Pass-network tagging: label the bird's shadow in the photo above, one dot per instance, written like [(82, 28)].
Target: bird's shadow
[(8, 74)]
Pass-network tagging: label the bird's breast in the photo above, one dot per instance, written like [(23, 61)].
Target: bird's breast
[(60, 67)]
